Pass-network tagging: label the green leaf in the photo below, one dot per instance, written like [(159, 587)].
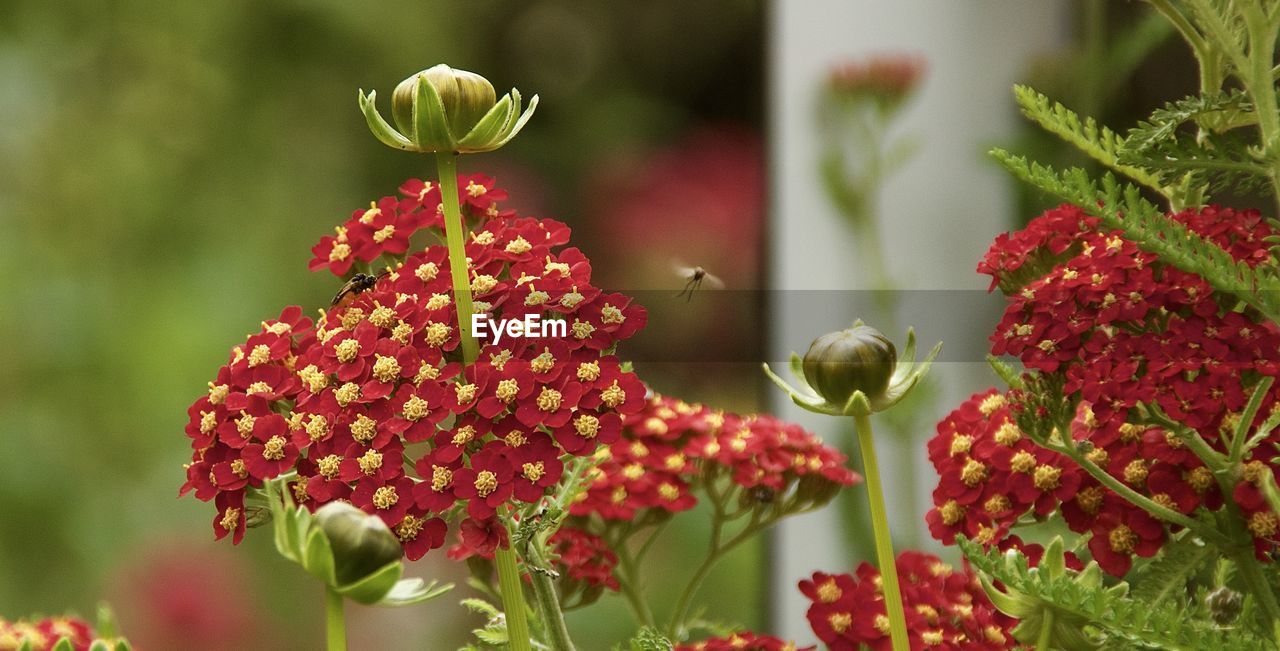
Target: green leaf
[(63, 644), (381, 130), (317, 559), (430, 124), (1005, 371), (1166, 576), (524, 119), (372, 588), (1099, 142), (1083, 601), (489, 128), (412, 591)]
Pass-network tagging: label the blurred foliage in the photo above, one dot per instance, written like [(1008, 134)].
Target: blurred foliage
[(164, 168)]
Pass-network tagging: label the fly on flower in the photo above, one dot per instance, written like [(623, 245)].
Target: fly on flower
[(694, 277), (352, 288)]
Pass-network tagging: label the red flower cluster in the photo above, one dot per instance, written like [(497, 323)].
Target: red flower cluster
[(945, 609), (1120, 330), (744, 641), (377, 385), (585, 558), (887, 78), (667, 446), (44, 634)]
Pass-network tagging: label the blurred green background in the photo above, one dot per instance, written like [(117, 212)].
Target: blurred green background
[(164, 169)]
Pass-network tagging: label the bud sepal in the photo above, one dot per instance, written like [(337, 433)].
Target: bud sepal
[(906, 374), (300, 537)]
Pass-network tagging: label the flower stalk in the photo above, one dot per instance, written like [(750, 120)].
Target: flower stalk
[(884, 541), (335, 621), (509, 583)]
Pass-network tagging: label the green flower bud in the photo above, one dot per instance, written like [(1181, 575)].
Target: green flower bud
[(466, 97), (361, 543), (857, 359), (1224, 605), (446, 110)]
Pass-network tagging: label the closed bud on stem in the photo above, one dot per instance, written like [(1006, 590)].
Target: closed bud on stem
[(442, 109), (466, 97), (361, 543), (1224, 605), (857, 359)]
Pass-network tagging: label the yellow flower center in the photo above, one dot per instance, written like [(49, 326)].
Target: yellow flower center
[(436, 334), (961, 444), (483, 284), (346, 394), (370, 462), (840, 622), (543, 363), (230, 519), (549, 399), (208, 421), (587, 426), (313, 378), (385, 233), (486, 482), (346, 350), (385, 497), (533, 471), (352, 318), (951, 512), (1136, 472), (409, 528), (441, 477), (507, 390), (463, 435), (668, 491), (237, 467), (1090, 499), (990, 404), (588, 371), (515, 438), (829, 592), (386, 369), (273, 449), (244, 424), (427, 271), (581, 329), (1047, 477), (1122, 539), (218, 393), (465, 392), (611, 314), (1008, 434), (518, 246), (364, 429), (997, 504), (415, 409), (340, 251), (973, 473), (329, 466), (438, 302), (613, 396), (1263, 524)]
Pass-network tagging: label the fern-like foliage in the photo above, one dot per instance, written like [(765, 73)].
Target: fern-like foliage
[(1118, 619), (1165, 578), (1215, 112), (1122, 207), (1099, 142), (1214, 155)]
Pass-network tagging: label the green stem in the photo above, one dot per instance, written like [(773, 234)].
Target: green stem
[(548, 602), (508, 575), (512, 599), (884, 543), (335, 624), (1046, 631), (447, 164)]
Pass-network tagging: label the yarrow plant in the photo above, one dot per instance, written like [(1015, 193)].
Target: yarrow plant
[(370, 432), (62, 633)]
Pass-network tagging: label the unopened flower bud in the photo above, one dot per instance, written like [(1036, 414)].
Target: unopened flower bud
[(466, 97), (857, 359), (361, 543), (1224, 605)]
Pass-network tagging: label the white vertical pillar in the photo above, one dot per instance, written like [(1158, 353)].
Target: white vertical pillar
[(939, 213)]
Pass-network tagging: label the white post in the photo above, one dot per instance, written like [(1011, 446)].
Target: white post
[(939, 213)]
